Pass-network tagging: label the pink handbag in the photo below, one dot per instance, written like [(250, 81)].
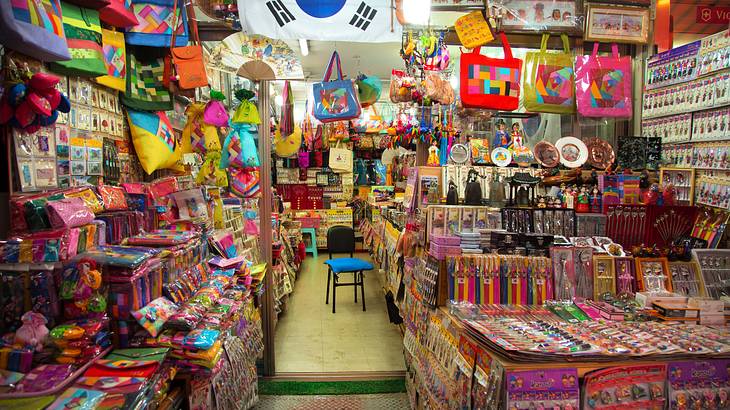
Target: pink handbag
[(68, 213), (603, 84)]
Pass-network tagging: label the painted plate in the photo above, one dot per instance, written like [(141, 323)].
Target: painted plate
[(546, 154), (459, 154), (501, 157), (573, 152), (600, 153)]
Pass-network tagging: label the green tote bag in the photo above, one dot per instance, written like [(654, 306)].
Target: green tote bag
[(83, 36)]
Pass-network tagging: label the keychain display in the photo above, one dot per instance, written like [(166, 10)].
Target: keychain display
[(633, 387), (702, 384), (554, 389)]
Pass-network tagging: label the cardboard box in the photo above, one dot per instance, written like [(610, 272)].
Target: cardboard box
[(646, 299), (707, 305), (675, 310)]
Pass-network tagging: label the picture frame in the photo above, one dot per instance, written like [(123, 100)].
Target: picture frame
[(617, 24), (529, 16), (322, 178)]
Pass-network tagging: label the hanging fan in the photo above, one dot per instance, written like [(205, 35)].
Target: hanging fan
[(257, 58)]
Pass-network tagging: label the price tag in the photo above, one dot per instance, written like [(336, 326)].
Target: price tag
[(515, 281)]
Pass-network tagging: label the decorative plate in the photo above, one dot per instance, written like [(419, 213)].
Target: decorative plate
[(573, 152), (501, 157), (546, 154), (459, 154), (600, 153)]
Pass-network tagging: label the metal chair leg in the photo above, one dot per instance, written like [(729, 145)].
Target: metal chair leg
[(327, 297), (334, 291), (355, 287), (362, 290)]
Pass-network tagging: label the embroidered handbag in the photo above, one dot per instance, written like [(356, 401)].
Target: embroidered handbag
[(156, 17), (603, 84), (144, 89), (118, 13), (188, 60), (115, 60), (83, 34), (34, 28), (490, 83), (549, 80), (335, 100)]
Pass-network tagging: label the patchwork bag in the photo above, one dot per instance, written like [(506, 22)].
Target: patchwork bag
[(244, 183), (153, 139), (83, 35), (144, 88), (490, 83), (118, 14), (549, 79), (335, 100), (196, 130), (115, 60), (155, 21), (603, 84), (239, 148), (34, 28)]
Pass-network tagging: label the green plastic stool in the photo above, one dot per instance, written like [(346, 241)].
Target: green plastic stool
[(312, 247)]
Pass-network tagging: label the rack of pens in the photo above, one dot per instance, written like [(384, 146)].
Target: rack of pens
[(500, 279)]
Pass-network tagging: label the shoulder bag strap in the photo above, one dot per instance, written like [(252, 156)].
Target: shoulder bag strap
[(334, 59), (174, 24)]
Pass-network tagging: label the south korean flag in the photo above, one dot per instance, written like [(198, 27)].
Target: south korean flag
[(328, 20)]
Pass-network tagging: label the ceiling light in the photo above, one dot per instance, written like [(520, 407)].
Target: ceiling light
[(303, 47), (417, 11), (279, 100), (454, 82)]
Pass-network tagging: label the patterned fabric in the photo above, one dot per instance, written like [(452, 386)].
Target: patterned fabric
[(607, 89), (145, 90), (555, 85), (493, 80), (155, 19), (83, 35), (44, 13), (114, 57)]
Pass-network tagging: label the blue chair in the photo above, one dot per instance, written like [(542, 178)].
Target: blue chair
[(341, 239)]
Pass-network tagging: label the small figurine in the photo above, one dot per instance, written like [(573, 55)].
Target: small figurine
[(541, 202), (433, 156), (582, 204), (596, 200), (518, 137), (501, 137)]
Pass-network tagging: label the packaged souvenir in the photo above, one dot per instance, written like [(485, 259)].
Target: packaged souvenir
[(154, 315)]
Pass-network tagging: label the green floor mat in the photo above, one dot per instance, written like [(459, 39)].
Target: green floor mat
[(300, 388)]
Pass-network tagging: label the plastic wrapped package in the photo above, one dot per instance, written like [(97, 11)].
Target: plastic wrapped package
[(402, 87), (131, 293), (603, 84), (154, 315), (68, 213), (113, 198)]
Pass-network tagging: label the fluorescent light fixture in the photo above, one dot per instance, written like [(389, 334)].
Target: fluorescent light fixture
[(279, 100), (304, 47), (417, 12), (454, 82)]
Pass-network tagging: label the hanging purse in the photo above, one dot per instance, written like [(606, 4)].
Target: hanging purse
[(239, 148), (188, 62), (34, 28), (340, 159), (603, 84), (335, 100), (490, 83), (115, 60), (145, 90), (83, 33), (549, 80), (153, 139), (156, 17), (118, 14)]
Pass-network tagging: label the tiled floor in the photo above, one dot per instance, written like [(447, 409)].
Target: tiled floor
[(391, 401), (310, 338)]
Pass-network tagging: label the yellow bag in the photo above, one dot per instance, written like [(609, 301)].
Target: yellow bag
[(153, 139), (288, 146), (115, 60), (202, 136), (246, 113), (473, 30)]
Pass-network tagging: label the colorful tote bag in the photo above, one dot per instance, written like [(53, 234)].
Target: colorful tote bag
[(603, 84), (155, 20), (335, 100), (153, 139), (491, 83), (144, 89), (119, 13), (202, 136), (83, 35), (549, 79), (35, 28), (239, 148), (115, 60)]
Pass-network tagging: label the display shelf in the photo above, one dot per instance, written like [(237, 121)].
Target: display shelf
[(683, 181)]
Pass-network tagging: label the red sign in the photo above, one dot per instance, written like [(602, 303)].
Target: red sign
[(713, 15)]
